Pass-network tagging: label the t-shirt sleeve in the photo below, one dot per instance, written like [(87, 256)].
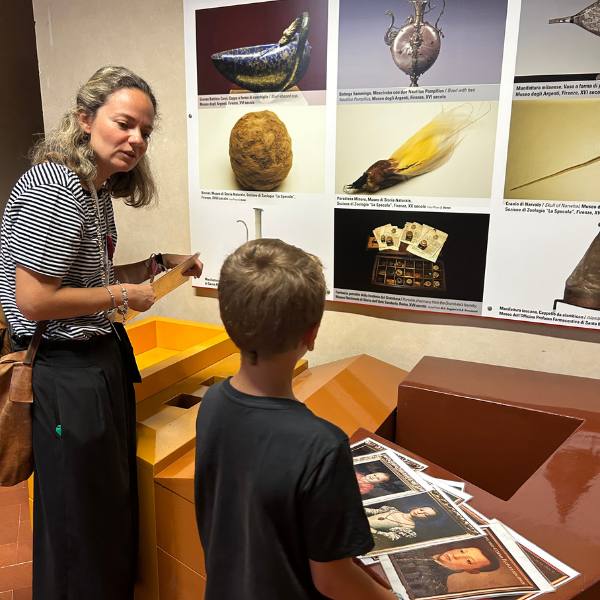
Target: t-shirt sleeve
[(334, 521), (47, 230)]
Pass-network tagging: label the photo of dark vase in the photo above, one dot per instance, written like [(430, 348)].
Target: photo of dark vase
[(582, 287), (273, 67)]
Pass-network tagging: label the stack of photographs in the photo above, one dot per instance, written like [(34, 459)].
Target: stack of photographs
[(430, 544)]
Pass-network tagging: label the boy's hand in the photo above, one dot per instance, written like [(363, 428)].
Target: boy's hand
[(382, 582)]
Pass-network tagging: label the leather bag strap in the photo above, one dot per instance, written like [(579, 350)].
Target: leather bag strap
[(35, 343)]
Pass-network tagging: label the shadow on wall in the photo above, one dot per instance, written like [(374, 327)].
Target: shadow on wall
[(21, 109)]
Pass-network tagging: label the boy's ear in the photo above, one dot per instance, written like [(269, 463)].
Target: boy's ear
[(308, 339)]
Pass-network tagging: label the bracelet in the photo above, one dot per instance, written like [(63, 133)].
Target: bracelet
[(112, 298), (122, 310)]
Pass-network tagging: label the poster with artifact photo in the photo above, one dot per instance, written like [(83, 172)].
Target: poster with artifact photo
[(464, 43), (481, 567), (273, 149), (553, 151), (454, 282), (430, 153), (559, 40), (261, 47), (416, 149)]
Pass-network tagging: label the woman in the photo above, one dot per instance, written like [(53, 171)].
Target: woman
[(56, 245)]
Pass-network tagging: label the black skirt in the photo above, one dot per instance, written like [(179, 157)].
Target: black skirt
[(85, 522)]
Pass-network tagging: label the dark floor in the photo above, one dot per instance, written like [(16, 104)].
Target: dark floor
[(15, 544)]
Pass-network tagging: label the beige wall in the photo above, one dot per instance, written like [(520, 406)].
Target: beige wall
[(77, 36)]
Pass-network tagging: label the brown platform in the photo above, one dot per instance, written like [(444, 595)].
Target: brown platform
[(528, 445), (359, 391)]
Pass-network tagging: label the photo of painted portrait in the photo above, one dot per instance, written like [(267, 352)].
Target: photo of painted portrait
[(416, 520), (383, 474), (371, 446), (490, 564)]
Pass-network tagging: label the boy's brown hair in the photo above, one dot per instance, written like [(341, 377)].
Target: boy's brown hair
[(270, 295)]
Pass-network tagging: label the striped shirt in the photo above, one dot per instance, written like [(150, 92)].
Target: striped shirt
[(50, 226)]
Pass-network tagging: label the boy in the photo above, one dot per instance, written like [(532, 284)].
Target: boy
[(277, 501)]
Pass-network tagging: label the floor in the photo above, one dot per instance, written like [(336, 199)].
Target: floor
[(15, 544)]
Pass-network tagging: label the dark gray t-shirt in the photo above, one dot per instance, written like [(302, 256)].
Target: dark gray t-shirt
[(275, 487)]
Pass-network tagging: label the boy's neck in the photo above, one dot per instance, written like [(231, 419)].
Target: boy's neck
[(270, 377)]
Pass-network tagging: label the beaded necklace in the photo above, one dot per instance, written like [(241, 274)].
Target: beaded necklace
[(105, 258), (101, 241)]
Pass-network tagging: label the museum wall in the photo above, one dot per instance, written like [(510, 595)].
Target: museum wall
[(75, 38)]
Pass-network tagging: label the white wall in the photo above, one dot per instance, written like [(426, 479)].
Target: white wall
[(75, 37)]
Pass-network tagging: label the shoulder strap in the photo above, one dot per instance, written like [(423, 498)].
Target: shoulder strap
[(35, 343)]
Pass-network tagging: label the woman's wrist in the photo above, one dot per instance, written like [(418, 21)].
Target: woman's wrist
[(124, 306), (155, 265), (111, 294)]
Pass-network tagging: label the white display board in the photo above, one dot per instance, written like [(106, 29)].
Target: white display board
[(491, 152)]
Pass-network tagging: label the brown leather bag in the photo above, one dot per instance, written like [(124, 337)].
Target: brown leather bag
[(16, 397)]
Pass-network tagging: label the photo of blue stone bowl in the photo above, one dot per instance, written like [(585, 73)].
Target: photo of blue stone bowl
[(269, 67)]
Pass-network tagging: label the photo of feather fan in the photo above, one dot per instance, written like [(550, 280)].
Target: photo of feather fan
[(416, 149)]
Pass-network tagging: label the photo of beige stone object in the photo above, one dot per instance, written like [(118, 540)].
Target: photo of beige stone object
[(266, 149), (554, 151)]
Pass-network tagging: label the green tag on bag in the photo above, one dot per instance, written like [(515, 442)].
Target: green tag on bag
[(58, 430)]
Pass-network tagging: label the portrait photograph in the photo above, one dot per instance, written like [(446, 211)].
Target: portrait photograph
[(416, 520), (486, 565), (370, 446), (383, 474)]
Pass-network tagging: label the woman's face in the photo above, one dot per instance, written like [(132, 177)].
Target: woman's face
[(120, 131), (377, 477)]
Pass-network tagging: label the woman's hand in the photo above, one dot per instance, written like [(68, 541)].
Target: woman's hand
[(172, 260), (140, 297)]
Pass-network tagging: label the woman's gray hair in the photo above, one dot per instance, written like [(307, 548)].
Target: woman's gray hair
[(69, 145)]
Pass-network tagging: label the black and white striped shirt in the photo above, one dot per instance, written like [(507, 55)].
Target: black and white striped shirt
[(50, 227)]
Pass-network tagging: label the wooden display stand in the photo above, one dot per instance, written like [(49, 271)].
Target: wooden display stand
[(179, 555), (528, 445), (353, 392), (359, 391), (178, 361)]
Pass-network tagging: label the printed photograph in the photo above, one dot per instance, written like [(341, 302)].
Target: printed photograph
[(529, 246), (457, 273), (478, 567), (275, 149), (370, 446), (262, 47), (416, 149), (554, 571), (463, 44), (553, 151), (382, 475), (416, 520), (558, 40)]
